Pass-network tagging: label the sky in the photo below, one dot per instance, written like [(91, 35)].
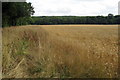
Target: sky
[(74, 7)]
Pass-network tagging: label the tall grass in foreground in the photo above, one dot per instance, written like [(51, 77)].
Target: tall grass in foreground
[(59, 52)]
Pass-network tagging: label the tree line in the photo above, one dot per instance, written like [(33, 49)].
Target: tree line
[(54, 20)]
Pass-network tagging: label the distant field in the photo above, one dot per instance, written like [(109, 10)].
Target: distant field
[(60, 51)]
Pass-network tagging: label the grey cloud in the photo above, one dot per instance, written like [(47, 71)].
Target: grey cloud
[(87, 0), (75, 7), (61, 11), (119, 7), (91, 0)]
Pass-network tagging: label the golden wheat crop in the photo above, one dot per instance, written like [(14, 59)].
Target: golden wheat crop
[(60, 51)]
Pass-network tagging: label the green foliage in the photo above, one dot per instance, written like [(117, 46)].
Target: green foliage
[(22, 47), (15, 12), (52, 20)]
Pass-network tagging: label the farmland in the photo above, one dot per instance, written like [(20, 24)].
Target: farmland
[(60, 51)]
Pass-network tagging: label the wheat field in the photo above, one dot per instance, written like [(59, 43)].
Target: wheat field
[(60, 51)]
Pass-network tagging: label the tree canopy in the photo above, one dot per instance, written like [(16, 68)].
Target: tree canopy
[(51, 20), (16, 13)]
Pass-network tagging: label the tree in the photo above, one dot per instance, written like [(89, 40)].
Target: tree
[(110, 16), (13, 11)]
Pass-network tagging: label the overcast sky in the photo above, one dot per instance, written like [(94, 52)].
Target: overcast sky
[(74, 7)]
